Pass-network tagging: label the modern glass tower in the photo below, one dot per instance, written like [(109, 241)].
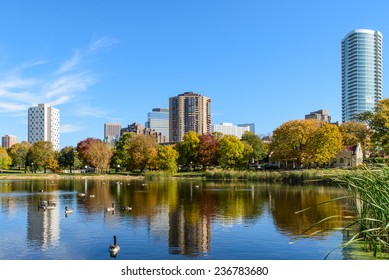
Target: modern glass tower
[(361, 72)]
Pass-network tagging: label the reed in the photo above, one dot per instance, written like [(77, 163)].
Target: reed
[(369, 191), (292, 176)]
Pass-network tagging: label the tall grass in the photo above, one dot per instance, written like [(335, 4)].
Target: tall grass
[(369, 190), (293, 176)]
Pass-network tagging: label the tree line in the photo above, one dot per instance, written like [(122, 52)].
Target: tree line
[(305, 142)]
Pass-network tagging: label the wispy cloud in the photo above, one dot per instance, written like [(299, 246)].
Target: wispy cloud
[(69, 128), (19, 90), (69, 64), (103, 42)]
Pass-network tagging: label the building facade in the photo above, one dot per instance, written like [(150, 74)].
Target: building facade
[(8, 140), (158, 120), (44, 125), (137, 128), (251, 125), (189, 111), (361, 72), (320, 115), (112, 132), (230, 129)]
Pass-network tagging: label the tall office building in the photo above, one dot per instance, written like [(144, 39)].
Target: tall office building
[(158, 120), (44, 125), (361, 72), (8, 140), (189, 111), (112, 132)]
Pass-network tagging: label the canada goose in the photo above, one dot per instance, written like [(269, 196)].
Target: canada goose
[(50, 205), (42, 204), (126, 208), (109, 209), (114, 248), (68, 210)]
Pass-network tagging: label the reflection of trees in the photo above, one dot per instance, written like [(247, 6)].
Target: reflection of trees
[(286, 200)]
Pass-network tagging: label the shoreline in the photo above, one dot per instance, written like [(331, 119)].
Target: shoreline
[(68, 177)]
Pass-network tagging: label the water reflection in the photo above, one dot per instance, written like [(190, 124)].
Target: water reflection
[(179, 214)]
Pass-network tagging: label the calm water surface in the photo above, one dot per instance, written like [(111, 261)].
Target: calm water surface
[(174, 219)]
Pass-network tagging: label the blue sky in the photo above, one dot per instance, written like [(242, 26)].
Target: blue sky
[(262, 62)]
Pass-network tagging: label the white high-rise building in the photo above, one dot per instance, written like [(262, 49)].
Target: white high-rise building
[(361, 72), (44, 125), (230, 129)]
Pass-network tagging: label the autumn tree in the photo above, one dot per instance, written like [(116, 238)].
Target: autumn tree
[(18, 153), (52, 163), (207, 150), (142, 152), (378, 121), (188, 149), (82, 148), (95, 153), (39, 154), (289, 140), (354, 133), (167, 159), (322, 145), (231, 152), (5, 159)]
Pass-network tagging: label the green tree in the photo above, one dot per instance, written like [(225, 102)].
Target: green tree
[(259, 149), (18, 153), (120, 155), (378, 121), (39, 154), (142, 152), (231, 152), (188, 149), (167, 158), (5, 159), (68, 158), (322, 145)]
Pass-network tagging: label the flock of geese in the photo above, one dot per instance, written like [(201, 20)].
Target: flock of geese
[(48, 205)]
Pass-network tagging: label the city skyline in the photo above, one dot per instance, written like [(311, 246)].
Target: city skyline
[(261, 63)]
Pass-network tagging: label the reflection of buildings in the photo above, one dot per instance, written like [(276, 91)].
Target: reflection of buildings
[(186, 237), (43, 226)]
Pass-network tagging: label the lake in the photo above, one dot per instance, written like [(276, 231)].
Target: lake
[(178, 219)]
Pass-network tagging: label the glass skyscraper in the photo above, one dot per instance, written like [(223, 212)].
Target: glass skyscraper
[(361, 72), (158, 120)]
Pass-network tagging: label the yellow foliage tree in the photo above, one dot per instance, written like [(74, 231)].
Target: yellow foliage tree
[(322, 145), (289, 140)]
